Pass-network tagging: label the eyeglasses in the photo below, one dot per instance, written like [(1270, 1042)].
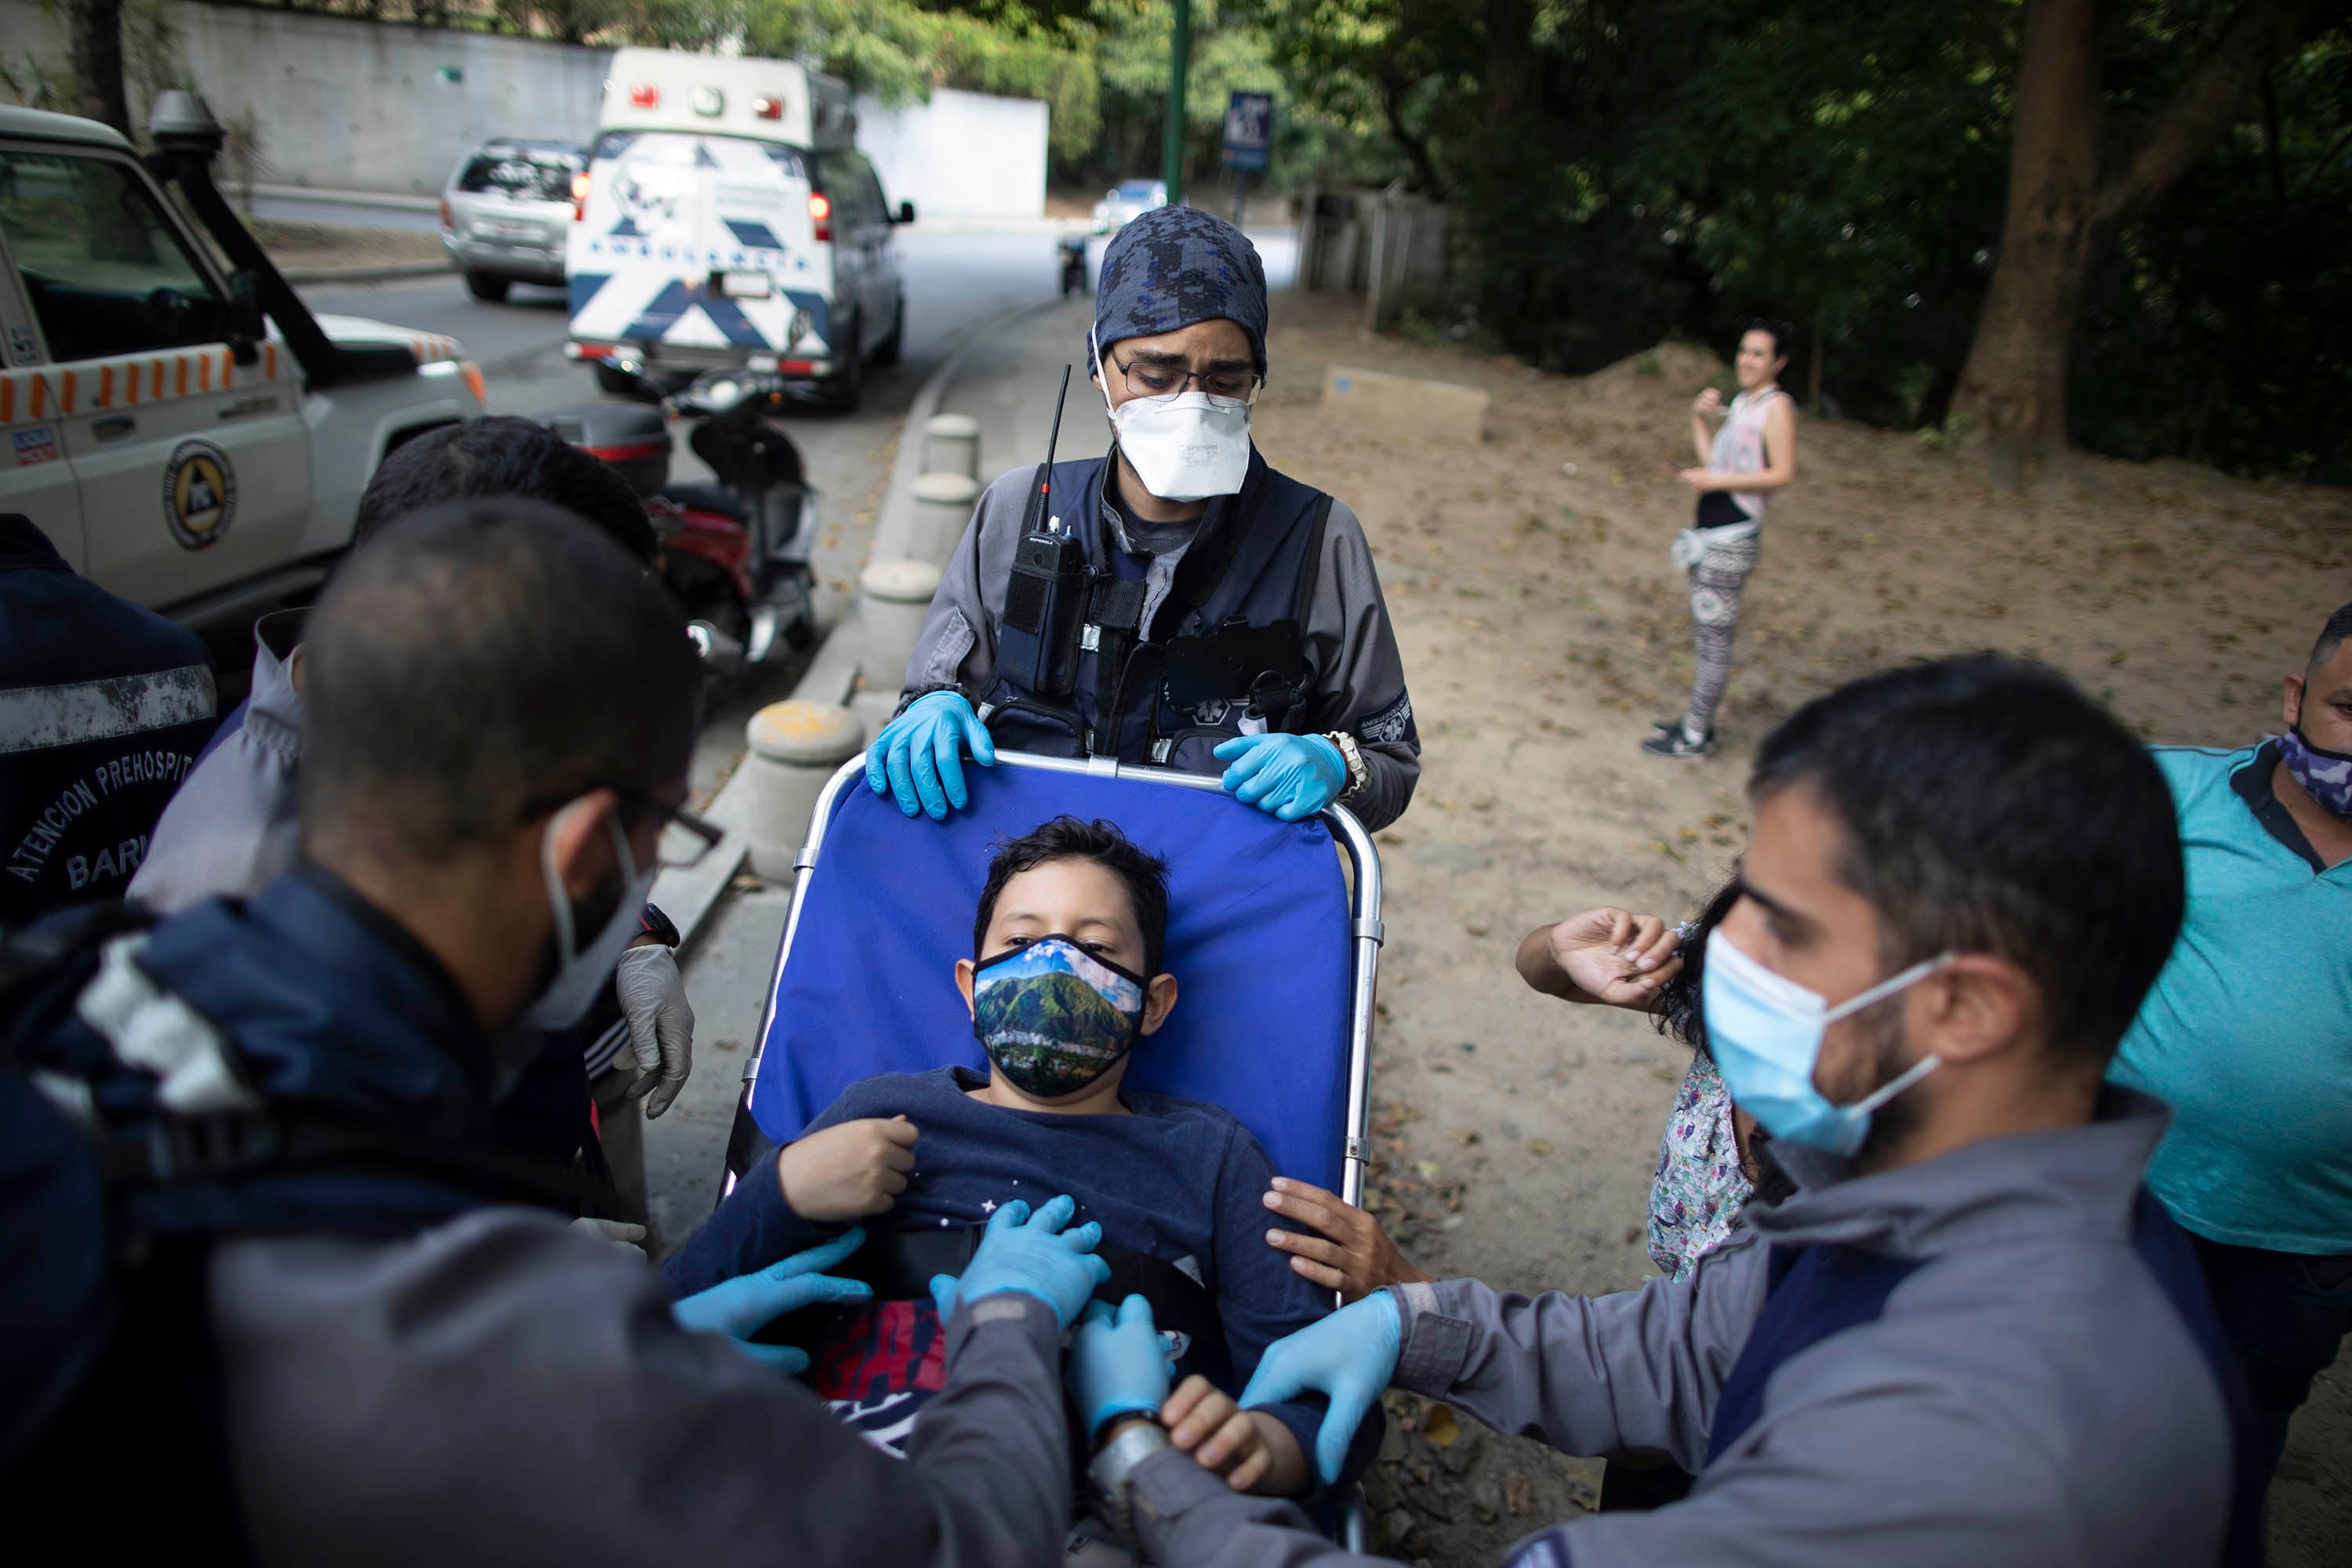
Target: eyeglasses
[(1166, 380), (686, 836)]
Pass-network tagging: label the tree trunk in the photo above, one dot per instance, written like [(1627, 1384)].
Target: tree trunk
[(2063, 209), (94, 42), (1511, 84), (1416, 148), (2013, 387)]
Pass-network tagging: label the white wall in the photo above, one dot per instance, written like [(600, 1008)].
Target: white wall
[(344, 105), (347, 105), (962, 154)]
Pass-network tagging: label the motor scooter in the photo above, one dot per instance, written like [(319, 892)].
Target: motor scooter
[(1073, 250), (735, 554)]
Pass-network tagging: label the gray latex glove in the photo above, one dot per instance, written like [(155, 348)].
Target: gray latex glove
[(661, 1024), (629, 1239)]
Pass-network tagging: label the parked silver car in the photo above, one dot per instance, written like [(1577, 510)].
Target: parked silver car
[(506, 214), (1130, 200)]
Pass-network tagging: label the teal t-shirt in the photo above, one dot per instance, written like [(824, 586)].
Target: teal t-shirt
[(2247, 1032)]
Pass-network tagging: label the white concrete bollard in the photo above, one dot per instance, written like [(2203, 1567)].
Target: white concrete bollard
[(943, 504), (893, 596), (952, 444), (795, 748)]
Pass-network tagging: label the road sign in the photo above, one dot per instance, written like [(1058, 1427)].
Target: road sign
[(1249, 129)]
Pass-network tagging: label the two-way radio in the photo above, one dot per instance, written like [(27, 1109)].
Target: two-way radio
[(1048, 580)]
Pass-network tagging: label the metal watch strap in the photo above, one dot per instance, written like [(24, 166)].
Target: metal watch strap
[(1358, 775), (1115, 1463)]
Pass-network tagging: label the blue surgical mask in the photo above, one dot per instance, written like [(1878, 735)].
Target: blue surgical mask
[(1764, 1031)]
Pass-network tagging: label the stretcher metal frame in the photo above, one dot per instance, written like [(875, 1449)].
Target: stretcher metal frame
[(1365, 936)]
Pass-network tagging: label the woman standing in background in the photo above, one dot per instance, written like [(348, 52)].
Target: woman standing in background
[(1752, 456)]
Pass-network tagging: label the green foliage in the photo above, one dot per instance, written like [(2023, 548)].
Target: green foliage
[(1619, 173), (2210, 328)]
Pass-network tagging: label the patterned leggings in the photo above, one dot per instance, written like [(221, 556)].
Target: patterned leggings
[(1717, 583)]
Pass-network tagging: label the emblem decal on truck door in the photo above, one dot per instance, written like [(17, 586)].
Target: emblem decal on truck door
[(199, 494)]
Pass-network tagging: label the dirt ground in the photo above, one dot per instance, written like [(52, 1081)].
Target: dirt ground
[(1544, 628)]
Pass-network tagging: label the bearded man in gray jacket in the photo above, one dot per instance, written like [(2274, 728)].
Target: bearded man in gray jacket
[(1971, 1336)]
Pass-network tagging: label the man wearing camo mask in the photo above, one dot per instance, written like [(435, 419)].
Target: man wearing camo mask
[(1225, 619), (2247, 1035)]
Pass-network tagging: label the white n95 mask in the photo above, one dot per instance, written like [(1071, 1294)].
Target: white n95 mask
[(1186, 445), (581, 972)]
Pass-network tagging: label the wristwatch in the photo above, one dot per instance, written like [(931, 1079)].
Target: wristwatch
[(1352, 755), (659, 927), (1115, 1467)]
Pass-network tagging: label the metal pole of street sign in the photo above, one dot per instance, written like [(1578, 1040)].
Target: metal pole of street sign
[(1171, 145)]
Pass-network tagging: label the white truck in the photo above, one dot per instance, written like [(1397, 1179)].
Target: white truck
[(728, 221), (178, 423)]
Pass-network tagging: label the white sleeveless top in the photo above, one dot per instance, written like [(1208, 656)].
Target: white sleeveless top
[(1739, 448)]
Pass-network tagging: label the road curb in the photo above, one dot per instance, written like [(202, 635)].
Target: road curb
[(689, 898), (397, 201), (387, 274)]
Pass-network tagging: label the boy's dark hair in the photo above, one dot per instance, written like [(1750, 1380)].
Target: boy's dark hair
[(1144, 874), (1675, 1009), (505, 456), (476, 664), (1989, 807)]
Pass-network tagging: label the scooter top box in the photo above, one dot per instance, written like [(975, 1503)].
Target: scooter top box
[(633, 438)]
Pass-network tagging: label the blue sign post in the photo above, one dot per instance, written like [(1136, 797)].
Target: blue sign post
[(1249, 140)]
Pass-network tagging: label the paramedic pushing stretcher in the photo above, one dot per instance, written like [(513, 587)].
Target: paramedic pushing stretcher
[(1179, 603), (354, 1329), (1970, 1335)]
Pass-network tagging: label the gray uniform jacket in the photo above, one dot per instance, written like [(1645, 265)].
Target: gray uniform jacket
[(233, 824), (504, 1389), (2028, 1396), (1359, 676)]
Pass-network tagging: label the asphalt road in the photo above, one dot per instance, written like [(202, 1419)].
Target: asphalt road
[(954, 280)]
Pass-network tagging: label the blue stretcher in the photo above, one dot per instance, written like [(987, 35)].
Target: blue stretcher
[(1276, 946)]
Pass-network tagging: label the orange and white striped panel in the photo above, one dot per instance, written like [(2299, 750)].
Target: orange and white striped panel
[(128, 381), (430, 347)]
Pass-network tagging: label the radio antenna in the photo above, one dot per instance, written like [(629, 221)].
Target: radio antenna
[(1043, 489)]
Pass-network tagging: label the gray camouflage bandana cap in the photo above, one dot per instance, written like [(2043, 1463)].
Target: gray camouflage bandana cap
[(1171, 267)]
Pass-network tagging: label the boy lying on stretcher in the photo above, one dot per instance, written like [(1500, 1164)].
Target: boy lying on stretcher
[(1072, 921)]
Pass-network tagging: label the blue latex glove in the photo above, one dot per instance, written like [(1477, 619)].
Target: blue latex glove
[(1349, 1356), (741, 1307), (1035, 1257), (1293, 776), (1119, 1363), (915, 756)]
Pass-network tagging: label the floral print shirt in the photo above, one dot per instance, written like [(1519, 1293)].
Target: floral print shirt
[(1699, 1190)]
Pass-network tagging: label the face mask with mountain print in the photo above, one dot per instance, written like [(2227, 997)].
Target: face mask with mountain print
[(1054, 1017)]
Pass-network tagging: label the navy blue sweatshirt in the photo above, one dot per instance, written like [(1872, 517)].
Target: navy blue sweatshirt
[(1177, 1179)]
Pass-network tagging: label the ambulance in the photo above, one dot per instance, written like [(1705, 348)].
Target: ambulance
[(727, 221)]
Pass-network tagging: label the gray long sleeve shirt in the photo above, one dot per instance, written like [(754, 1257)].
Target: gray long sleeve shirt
[(234, 824), (503, 1389), (2027, 1395), (1358, 680)]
